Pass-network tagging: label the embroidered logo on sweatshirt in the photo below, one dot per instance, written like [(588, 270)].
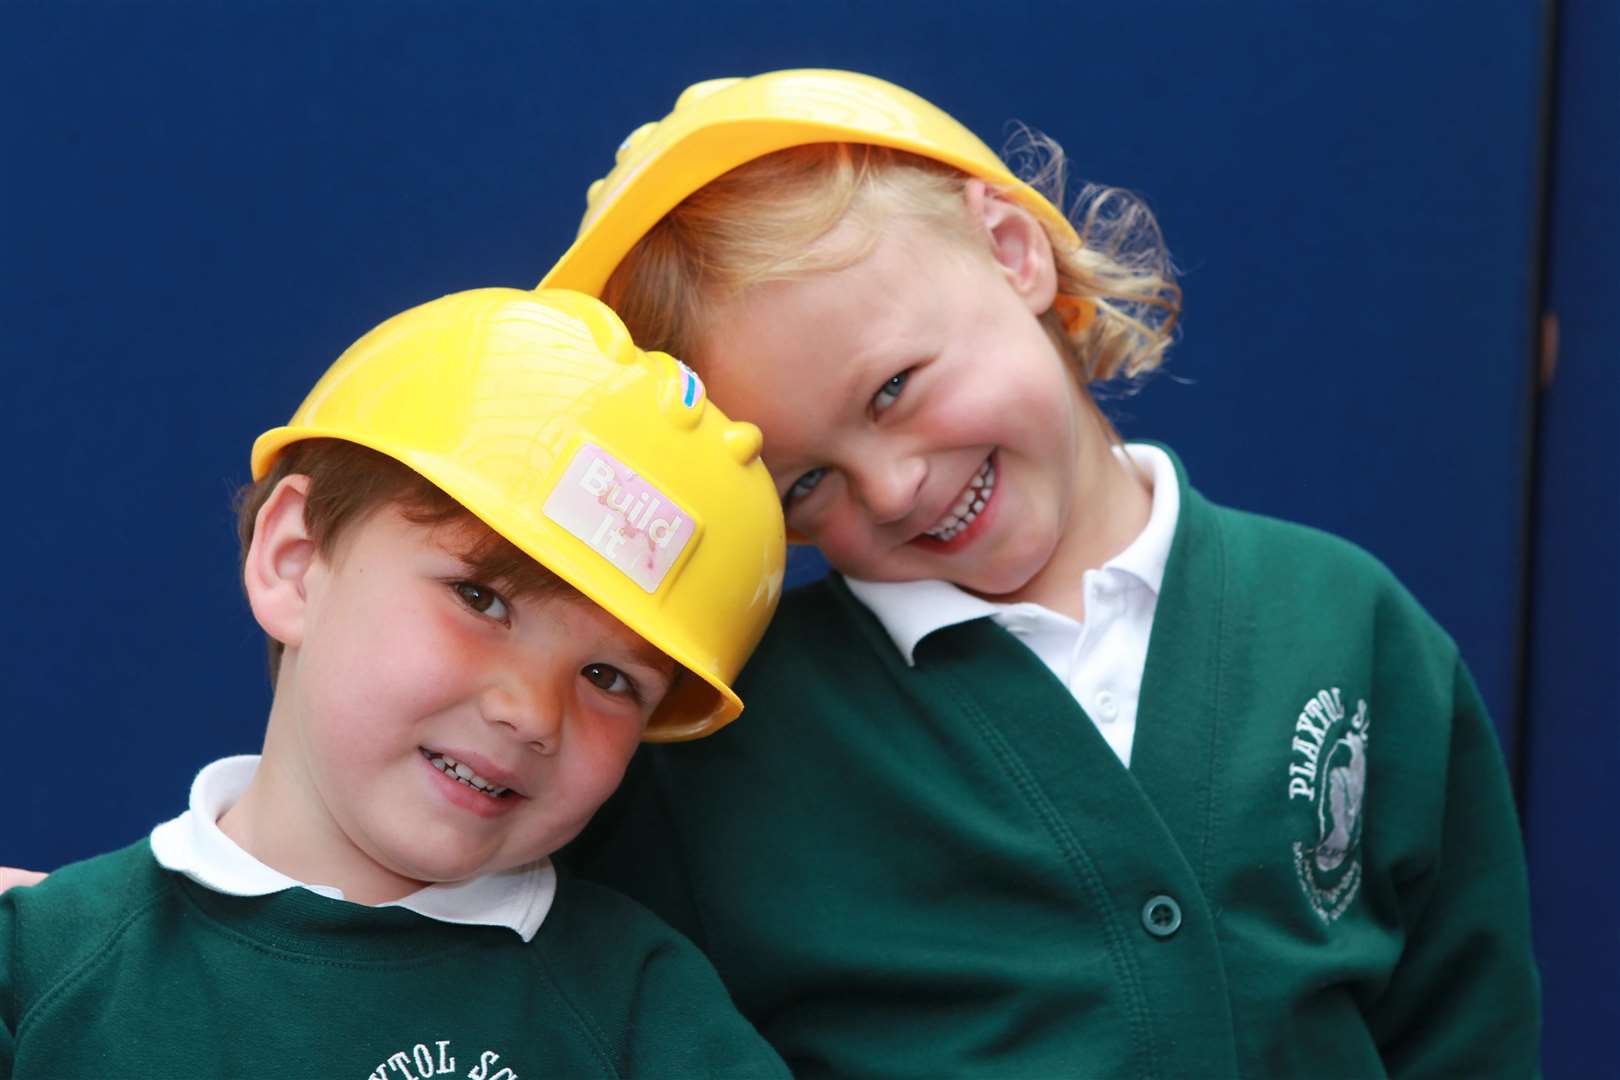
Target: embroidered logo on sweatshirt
[(1328, 768), (423, 1061)]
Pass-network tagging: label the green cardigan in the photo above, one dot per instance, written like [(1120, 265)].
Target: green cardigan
[(116, 967), (1312, 867)]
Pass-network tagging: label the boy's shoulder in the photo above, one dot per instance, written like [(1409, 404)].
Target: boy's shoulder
[(98, 887), (79, 909)]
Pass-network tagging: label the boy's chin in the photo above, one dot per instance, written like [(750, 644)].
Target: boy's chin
[(450, 871)]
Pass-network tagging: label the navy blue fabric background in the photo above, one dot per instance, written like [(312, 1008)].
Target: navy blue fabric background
[(1571, 755), (204, 204)]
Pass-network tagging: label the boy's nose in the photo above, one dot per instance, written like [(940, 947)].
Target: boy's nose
[(888, 486), (526, 709)]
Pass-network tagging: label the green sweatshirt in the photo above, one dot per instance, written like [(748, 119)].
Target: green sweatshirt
[(115, 967), (1311, 868)]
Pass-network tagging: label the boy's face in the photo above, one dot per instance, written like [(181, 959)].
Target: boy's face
[(435, 728)]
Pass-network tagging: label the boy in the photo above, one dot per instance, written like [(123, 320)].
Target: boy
[(478, 605)]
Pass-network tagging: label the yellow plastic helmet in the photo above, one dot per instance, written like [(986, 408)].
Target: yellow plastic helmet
[(723, 123), (606, 464)]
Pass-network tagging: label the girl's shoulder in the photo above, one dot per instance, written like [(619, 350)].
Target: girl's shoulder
[(1264, 541), (1221, 540), (1283, 569), (821, 638), (824, 608)]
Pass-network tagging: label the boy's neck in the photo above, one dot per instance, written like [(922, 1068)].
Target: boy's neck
[(279, 821)]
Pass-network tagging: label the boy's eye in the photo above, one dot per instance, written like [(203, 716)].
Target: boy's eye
[(803, 486), (890, 391), (609, 678), (482, 599)]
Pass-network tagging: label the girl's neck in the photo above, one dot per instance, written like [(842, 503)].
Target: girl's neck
[(1119, 501)]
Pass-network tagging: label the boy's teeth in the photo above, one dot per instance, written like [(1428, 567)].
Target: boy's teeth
[(968, 504), (451, 767)]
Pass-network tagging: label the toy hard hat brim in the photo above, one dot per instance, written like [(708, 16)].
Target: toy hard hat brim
[(700, 717), (535, 411), (720, 125)]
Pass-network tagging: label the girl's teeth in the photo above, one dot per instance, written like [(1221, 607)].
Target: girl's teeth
[(459, 770), (969, 505)]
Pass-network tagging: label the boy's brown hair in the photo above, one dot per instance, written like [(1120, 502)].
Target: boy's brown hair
[(349, 482)]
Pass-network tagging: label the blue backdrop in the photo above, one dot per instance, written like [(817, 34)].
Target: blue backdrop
[(205, 203), (1571, 755)]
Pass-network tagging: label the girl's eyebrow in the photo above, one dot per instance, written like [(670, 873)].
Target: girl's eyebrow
[(853, 380)]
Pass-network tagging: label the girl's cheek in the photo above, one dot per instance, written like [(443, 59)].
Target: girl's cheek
[(815, 527), (839, 535), (966, 414)]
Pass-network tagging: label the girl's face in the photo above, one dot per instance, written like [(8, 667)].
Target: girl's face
[(918, 421)]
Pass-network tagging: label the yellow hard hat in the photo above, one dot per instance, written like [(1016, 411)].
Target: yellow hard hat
[(606, 464), (723, 123)]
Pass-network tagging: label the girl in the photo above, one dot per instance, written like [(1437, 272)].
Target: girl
[(1066, 771)]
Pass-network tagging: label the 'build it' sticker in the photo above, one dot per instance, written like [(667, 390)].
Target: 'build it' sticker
[(625, 519)]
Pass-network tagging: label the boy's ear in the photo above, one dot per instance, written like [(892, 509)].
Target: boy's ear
[(278, 559), (1018, 244)]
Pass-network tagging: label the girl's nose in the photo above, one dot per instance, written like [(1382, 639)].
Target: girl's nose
[(527, 707), (888, 486)]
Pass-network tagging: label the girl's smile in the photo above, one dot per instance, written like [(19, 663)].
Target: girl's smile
[(971, 504)]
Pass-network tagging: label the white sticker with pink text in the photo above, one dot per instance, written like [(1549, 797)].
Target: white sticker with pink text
[(625, 519)]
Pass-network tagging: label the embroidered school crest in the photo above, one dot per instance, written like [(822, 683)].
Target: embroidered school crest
[(1328, 767)]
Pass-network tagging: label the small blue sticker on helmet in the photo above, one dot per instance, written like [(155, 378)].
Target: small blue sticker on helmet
[(691, 387)]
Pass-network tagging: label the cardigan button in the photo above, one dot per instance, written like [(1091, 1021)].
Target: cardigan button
[(1161, 916)]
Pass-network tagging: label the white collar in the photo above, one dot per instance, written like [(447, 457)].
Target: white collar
[(194, 845), (911, 610)]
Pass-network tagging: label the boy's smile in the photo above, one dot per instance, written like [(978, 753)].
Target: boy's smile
[(919, 422), (432, 728), (461, 773)]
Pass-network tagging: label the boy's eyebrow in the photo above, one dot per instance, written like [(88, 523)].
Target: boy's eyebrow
[(499, 563), (650, 656)]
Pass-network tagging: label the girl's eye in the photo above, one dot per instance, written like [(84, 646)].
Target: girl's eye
[(803, 486), (890, 393), (482, 599), (609, 678)]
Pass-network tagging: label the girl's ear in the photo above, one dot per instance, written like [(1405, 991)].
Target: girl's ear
[(1018, 244), (279, 557)]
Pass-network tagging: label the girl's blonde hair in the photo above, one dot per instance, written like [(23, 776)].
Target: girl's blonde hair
[(760, 222)]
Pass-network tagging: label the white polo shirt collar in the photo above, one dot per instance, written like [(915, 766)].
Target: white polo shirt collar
[(911, 610), (194, 845)]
